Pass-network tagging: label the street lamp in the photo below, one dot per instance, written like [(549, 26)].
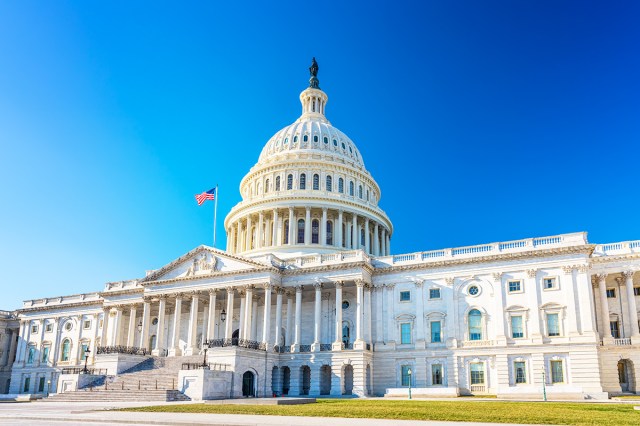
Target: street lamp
[(48, 387), (223, 315), (544, 386), (86, 358), (409, 373), (205, 346)]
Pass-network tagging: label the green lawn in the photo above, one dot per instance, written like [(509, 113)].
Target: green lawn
[(480, 411)]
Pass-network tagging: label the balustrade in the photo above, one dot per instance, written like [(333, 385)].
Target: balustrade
[(129, 350)]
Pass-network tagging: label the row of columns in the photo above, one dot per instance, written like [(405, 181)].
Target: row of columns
[(627, 280), (270, 232)]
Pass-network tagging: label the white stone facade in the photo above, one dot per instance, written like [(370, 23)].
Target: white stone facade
[(308, 300)]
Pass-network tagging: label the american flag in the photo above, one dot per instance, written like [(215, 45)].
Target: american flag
[(206, 195)]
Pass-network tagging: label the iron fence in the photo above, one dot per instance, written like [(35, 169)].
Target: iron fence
[(129, 350), (81, 370)]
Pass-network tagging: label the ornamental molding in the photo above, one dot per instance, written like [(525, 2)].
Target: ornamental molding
[(450, 281), (567, 269), (614, 258), (497, 276), (94, 303), (121, 292), (628, 274), (581, 249), (323, 268), (216, 274), (531, 273)]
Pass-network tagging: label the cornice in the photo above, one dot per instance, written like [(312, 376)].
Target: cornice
[(615, 258), (120, 292), (97, 303), (334, 267), (581, 249), (216, 274)]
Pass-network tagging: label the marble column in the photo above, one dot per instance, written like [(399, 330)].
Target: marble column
[(144, 334), (274, 236), (338, 230), (260, 236), (298, 326), (379, 292), (605, 331), (391, 336), (355, 238), (192, 337), (367, 237), (359, 343), (159, 349), (292, 227), (279, 293), (317, 321), (367, 312), (242, 293), (248, 314), (388, 244), (631, 301), (117, 324), (307, 226), (203, 330), (289, 336), (337, 344), (211, 324), (420, 339), (266, 321), (249, 235), (323, 227), (131, 333), (104, 337), (228, 330), (254, 319), (376, 240), (238, 239), (175, 349)]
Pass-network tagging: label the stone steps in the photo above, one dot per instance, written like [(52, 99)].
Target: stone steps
[(119, 395)]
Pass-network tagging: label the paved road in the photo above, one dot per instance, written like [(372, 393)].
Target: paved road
[(89, 413)]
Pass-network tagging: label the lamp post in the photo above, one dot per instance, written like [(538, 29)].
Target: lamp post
[(544, 386), (223, 315), (48, 387), (86, 358), (205, 346), (409, 373)]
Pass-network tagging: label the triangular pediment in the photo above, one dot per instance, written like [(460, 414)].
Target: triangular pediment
[(201, 262)]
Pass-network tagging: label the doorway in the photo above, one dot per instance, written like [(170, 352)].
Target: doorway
[(305, 378), (325, 380), (248, 384), (625, 375), (348, 380)]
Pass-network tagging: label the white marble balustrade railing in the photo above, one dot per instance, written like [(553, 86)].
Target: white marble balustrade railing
[(625, 247)]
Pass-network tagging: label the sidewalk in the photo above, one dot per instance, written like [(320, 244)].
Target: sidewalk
[(83, 413)]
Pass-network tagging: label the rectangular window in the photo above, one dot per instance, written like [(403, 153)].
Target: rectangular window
[(477, 373), (636, 291), (553, 326), (517, 331), (27, 384), (436, 336), (557, 375), (45, 354), (87, 324), (520, 370), (34, 328), (405, 333), (434, 293), (405, 296), (515, 286), (48, 328), (615, 329), (436, 374), (41, 384), (549, 283), (611, 293), (406, 377)]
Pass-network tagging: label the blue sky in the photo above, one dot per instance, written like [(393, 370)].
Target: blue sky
[(481, 122)]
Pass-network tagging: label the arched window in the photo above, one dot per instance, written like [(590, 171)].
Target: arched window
[(329, 241), (277, 183), (303, 181), (315, 138), (367, 195), (305, 138), (316, 182), (315, 230), (328, 183), (253, 237), (286, 232), (344, 235), (351, 188), (290, 182), (360, 191), (266, 186), (362, 238), (66, 350), (295, 138), (341, 185), (475, 325), (32, 354), (301, 231)]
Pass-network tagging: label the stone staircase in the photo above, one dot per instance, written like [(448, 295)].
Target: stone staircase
[(155, 379)]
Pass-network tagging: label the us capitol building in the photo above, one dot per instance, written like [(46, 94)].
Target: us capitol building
[(308, 299)]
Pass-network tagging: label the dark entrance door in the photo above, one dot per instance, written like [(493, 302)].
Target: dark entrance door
[(623, 375), (248, 384)]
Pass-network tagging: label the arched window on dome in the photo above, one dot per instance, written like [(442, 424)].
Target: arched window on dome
[(326, 140), (316, 182), (305, 138), (341, 185), (475, 325), (360, 191), (290, 182), (329, 240), (277, 183), (300, 231), (266, 186), (362, 238), (315, 231), (367, 195), (315, 138), (351, 188), (285, 231), (303, 181), (295, 139), (253, 237), (328, 183)]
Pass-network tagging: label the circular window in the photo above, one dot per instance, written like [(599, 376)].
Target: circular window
[(68, 326), (155, 321), (474, 290), (345, 304)]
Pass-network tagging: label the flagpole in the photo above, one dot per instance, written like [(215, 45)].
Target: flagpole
[(215, 215)]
